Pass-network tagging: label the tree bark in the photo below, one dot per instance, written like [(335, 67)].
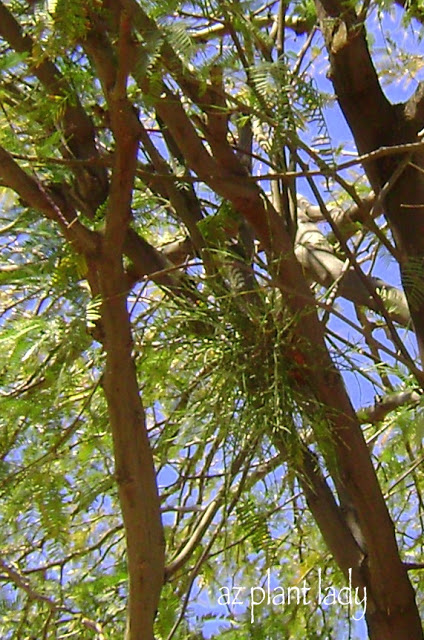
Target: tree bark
[(376, 123), (135, 473), (395, 614)]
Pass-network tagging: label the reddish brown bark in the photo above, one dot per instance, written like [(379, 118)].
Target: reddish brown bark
[(375, 122), (393, 612), (373, 554), (135, 473)]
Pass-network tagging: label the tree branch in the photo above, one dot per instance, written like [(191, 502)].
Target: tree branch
[(377, 412), (92, 182), (320, 264), (23, 583), (135, 473), (357, 475), (414, 107), (49, 202)]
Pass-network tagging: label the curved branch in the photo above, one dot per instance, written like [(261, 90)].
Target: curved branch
[(361, 98), (376, 123), (376, 413), (320, 264)]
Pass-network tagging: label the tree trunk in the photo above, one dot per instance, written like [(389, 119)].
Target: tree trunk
[(135, 473), (376, 123)]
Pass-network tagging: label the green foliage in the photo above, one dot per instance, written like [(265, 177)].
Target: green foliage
[(306, 11), (254, 526), (229, 405), (216, 228)]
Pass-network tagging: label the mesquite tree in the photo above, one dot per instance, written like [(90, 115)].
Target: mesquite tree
[(211, 370)]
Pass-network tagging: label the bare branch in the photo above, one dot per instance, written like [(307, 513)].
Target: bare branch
[(377, 412), (320, 263)]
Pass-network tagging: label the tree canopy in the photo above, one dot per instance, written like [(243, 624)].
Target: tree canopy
[(212, 319)]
